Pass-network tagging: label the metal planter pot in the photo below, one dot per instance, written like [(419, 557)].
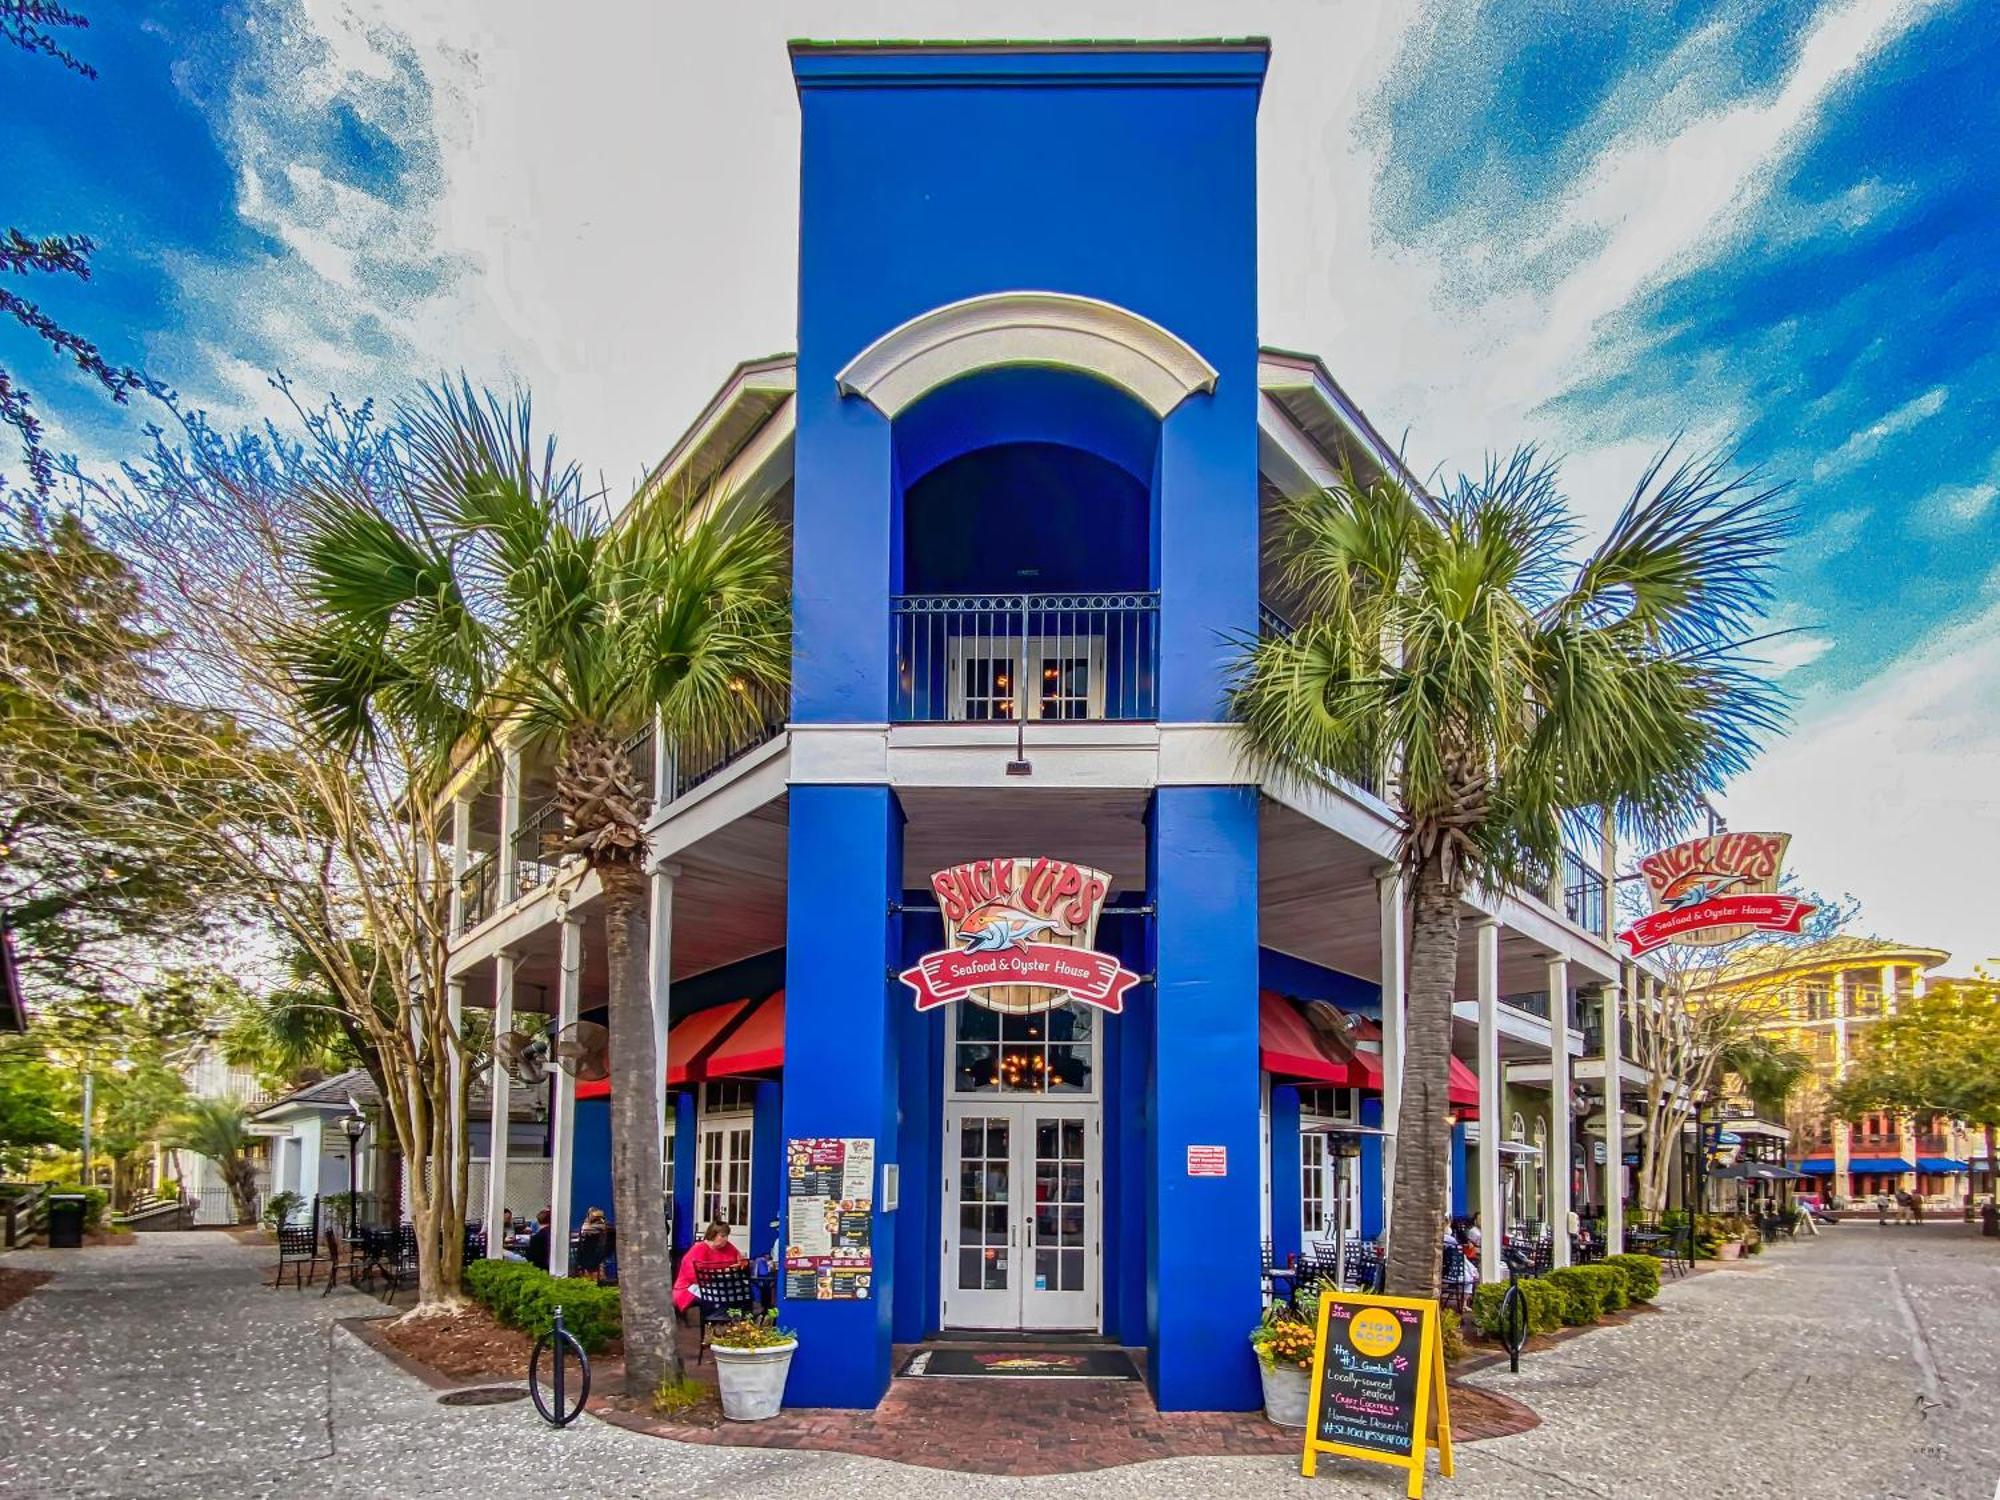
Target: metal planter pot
[(1286, 1394), (752, 1381)]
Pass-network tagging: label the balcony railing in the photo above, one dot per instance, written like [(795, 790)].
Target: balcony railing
[(688, 769), (974, 658), (1272, 624), (478, 891), (1583, 893), (536, 856)]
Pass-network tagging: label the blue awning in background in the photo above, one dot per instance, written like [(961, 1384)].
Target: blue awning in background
[(1941, 1164), (1817, 1166)]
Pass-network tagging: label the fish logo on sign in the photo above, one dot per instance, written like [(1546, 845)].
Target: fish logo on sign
[(1706, 892), (1018, 935)]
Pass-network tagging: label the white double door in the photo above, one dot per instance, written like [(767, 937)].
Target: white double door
[(1022, 1194)]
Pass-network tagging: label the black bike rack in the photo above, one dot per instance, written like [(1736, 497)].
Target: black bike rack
[(556, 1342)]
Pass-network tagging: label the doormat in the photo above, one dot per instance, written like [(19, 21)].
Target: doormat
[(1021, 1364)]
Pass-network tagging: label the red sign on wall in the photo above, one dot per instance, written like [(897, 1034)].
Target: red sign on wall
[(1208, 1161), (1715, 890), (1021, 932)]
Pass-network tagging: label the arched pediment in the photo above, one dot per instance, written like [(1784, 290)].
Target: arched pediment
[(1097, 338)]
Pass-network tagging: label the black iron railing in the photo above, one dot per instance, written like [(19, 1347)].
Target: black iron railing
[(969, 658), (537, 853), (1583, 893), (478, 891)]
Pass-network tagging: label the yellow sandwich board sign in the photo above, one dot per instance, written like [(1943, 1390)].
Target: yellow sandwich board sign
[(1378, 1385)]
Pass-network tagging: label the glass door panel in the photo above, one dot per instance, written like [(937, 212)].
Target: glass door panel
[(1060, 1288), (980, 1264)]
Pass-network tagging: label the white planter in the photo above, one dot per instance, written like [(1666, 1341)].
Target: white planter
[(1286, 1394), (752, 1381)]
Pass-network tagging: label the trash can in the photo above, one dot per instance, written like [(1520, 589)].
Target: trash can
[(67, 1211), (1990, 1227)]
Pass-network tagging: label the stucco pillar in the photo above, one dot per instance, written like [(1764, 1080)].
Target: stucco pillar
[(1395, 951), (659, 971), (563, 1116), (461, 840), (1492, 1224), (1560, 1118), (505, 857), (1614, 1121), (500, 1103), (1843, 1178)]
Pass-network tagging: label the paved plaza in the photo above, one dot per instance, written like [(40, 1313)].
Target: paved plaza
[(1862, 1364)]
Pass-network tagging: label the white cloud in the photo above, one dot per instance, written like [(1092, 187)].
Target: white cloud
[(1952, 507), (1893, 792), (1793, 642), (1864, 445)]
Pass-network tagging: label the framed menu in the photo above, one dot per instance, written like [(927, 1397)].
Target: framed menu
[(1378, 1387), (830, 1218)]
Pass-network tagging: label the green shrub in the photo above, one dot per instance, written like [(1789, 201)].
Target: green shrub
[(525, 1297), (1641, 1273), (1545, 1306), (96, 1200), (1588, 1292)]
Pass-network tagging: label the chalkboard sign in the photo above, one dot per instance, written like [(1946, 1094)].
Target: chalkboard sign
[(1378, 1388)]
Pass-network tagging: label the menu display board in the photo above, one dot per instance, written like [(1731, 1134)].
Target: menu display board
[(830, 1225), (1378, 1388)]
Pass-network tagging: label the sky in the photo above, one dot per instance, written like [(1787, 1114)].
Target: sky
[(1596, 227)]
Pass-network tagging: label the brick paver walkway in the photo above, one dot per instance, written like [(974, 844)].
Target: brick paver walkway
[(1858, 1366)]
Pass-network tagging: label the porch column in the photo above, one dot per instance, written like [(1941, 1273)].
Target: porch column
[(1395, 949), (659, 969), (454, 1020), (563, 1117), (1843, 1178), (1560, 1118), (664, 768), (844, 858), (1202, 1270), (1612, 999), (499, 1085), (461, 838), (510, 825), (1486, 941)]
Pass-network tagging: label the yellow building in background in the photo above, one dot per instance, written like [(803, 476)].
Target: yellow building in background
[(1823, 998)]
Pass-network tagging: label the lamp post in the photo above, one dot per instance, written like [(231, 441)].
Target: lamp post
[(355, 1126)]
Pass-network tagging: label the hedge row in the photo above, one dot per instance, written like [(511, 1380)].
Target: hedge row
[(526, 1297), (1573, 1295)]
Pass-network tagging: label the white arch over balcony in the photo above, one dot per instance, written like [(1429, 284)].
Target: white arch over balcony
[(1113, 343)]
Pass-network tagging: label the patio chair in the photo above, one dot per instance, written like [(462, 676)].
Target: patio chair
[(726, 1294), (298, 1248), (1452, 1288)]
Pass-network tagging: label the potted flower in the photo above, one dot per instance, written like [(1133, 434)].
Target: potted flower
[(1284, 1345), (753, 1355)]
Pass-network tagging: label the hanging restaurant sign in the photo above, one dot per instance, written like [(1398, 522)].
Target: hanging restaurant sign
[(1714, 890), (1018, 935)]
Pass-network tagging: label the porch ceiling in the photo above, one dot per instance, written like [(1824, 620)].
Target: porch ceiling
[(1316, 895), (1101, 827)]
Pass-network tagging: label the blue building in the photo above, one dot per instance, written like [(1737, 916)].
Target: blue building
[(1025, 451)]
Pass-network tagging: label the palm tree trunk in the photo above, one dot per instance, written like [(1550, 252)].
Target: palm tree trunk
[(645, 1279), (1423, 1138)]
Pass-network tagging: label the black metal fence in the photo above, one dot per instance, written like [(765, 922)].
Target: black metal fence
[(970, 658)]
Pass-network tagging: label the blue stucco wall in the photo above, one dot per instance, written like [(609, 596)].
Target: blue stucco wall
[(1286, 1221), (842, 1041), (590, 1169), (1128, 177)]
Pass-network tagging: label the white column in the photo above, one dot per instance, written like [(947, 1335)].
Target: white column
[(659, 966), (1560, 1118), (1389, 894), (663, 765), (461, 840), (499, 1114), (563, 1117), (510, 824), (1843, 1176), (1607, 836), (1486, 935), (454, 1017), (1614, 1121)]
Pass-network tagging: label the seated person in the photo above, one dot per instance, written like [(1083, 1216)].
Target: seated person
[(712, 1252), (593, 1244), (537, 1251)]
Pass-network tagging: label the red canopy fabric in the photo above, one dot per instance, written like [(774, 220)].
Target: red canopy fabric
[(1462, 1087), (720, 1042), (1287, 1046)]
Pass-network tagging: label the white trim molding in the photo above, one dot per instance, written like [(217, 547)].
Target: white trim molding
[(1027, 328)]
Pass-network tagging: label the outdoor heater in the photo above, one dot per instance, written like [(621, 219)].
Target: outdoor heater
[(1346, 1143)]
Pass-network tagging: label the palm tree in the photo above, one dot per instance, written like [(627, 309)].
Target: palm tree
[(218, 1130), (485, 593), (1768, 1070), (1514, 694)]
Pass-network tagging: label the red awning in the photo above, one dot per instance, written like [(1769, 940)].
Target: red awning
[(1286, 1044), (723, 1041), (1462, 1087)]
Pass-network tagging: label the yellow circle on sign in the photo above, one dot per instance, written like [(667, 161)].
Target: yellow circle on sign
[(1374, 1332)]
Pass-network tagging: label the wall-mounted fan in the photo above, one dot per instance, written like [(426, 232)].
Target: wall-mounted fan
[(525, 1057), (583, 1050)]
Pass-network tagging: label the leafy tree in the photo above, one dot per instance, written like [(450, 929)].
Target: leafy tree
[(485, 594), (1937, 1055), (134, 1105), (219, 1130), (1514, 696), (94, 885), (36, 27), (38, 1105)]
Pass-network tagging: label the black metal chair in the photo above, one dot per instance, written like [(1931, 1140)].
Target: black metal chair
[(726, 1294), (1452, 1288), (589, 1254), (298, 1248)]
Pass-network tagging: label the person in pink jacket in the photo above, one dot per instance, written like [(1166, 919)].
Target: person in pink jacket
[(712, 1252)]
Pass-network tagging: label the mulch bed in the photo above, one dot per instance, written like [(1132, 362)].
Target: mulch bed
[(1031, 1427), (1486, 1352), (250, 1236), (14, 1285)]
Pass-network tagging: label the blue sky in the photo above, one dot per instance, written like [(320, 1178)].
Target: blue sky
[(1592, 226)]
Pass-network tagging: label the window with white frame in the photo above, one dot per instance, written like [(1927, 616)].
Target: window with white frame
[(725, 1175), (1312, 1183)]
